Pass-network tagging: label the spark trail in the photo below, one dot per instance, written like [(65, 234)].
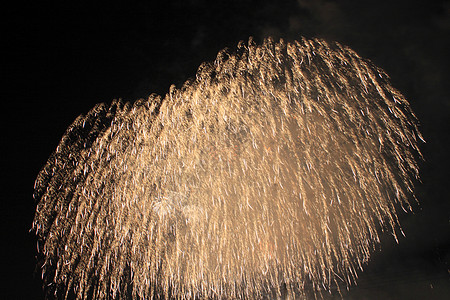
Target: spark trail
[(277, 166)]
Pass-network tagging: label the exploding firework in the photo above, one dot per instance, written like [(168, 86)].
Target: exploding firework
[(275, 168)]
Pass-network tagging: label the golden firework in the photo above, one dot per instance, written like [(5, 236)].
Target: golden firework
[(277, 166)]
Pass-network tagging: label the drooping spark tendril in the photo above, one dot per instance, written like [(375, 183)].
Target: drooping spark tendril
[(276, 166)]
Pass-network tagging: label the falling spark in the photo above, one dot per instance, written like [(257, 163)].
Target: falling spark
[(277, 167)]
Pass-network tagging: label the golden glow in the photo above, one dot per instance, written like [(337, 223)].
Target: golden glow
[(276, 165)]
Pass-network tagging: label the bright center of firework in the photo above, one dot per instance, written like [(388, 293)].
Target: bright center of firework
[(276, 167)]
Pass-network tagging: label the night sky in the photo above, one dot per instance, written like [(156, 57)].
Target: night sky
[(62, 59)]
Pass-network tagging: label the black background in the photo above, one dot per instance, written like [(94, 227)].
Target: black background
[(63, 57)]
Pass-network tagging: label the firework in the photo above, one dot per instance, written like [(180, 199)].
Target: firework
[(276, 167)]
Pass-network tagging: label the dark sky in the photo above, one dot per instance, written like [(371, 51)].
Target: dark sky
[(64, 58)]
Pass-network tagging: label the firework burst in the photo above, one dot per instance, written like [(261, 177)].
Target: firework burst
[(276, 167)]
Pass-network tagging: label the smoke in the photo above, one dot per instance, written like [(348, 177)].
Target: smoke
[(273, 171)]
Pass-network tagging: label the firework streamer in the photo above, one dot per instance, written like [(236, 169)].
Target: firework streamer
[(276, 168)]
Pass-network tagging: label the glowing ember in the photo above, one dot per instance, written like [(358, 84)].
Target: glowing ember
[(275, 168)]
